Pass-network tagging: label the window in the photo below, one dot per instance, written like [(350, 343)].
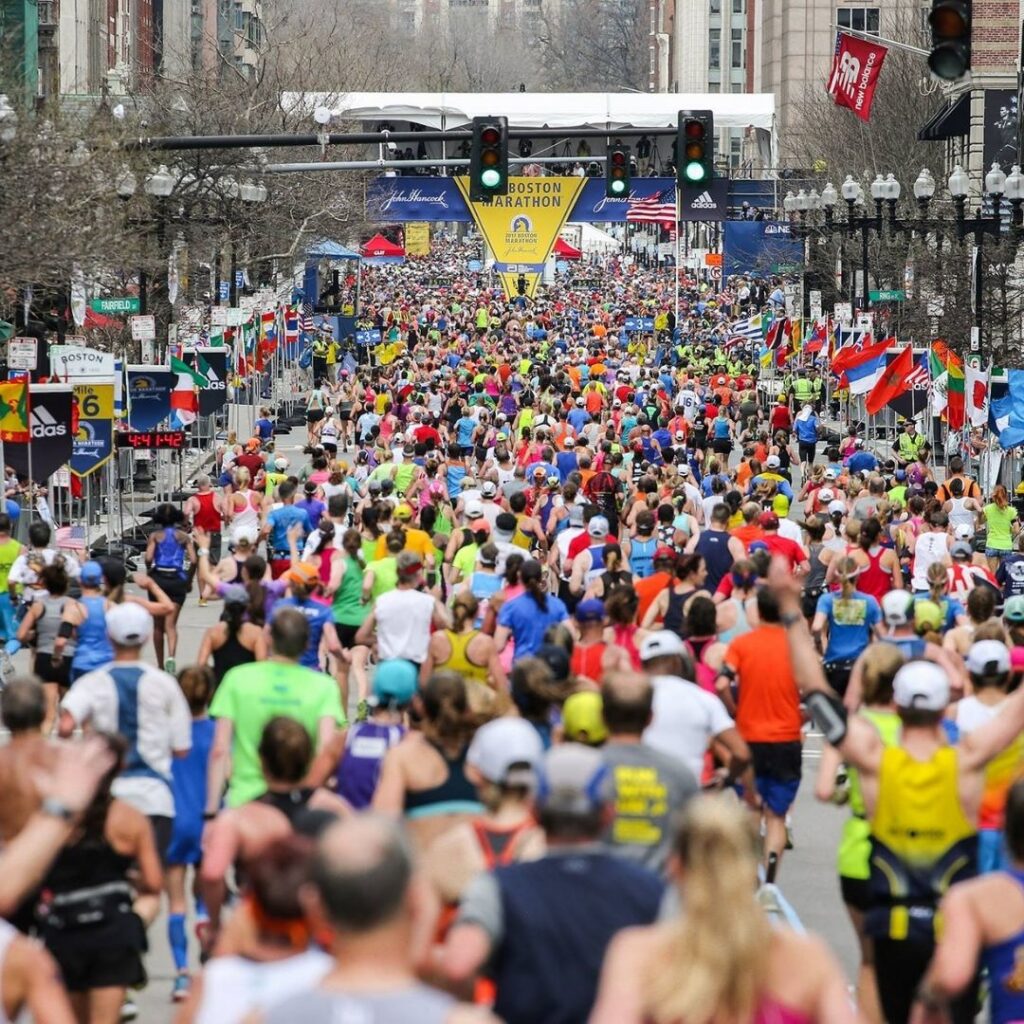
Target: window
[(716, 6), (737, 48), (737, 6), (714, 87), (860, 19), (715, 48)]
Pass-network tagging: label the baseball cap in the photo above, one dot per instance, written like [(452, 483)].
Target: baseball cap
[(598, 527), (684, 469), (663, 553), (591, 610), (961, 549), (680, 436), (583, 718), (768, 521), (235, 593), (404, 511), (394, 682), (281, 462), (826, 494), (304, 573), (488, 488), (921, 684), (661, 644), (988, 658), (92, 574), (502, 743), (1013, 610), (556, 658), (474, 510), (569, 442), (837, 506), (572, 779), (772, 462), (579, 401), (830, 473), (129, 624), (896, 606), (963, 532), (928, 615)]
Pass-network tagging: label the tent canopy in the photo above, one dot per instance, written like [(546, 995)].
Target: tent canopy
[(326, 249), (609, 110), (380, 246), (564, 251)]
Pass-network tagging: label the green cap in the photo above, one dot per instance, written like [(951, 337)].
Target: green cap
[(1013, 610)]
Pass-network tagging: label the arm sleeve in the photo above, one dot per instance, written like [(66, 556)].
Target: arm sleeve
[(481, 905)]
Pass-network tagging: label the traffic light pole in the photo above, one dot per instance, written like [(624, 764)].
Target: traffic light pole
[(369, 165)]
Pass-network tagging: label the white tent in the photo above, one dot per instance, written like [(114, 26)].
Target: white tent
[(590, 239), (609, 110)]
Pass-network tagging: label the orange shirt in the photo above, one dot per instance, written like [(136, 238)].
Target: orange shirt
[(748, 533), (743, 474), (648, 589), (768, 708)]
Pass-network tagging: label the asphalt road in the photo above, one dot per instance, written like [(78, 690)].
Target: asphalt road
[(807, 875)]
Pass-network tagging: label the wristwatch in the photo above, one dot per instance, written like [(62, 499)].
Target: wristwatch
[(54, 808), (203, 552)]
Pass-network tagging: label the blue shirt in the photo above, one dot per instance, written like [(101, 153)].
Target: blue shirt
[(280, 521), (863, 462), (464, 428), (807, 430), (188, 780), (528, 622), (850, 623), (264, 428), (567, 463), (317, 616), (578, 419)]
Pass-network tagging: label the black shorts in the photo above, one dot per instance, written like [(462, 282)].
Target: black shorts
[(50, 671), (856, 892), (721, 446), (346, 635), (344, 416), (172, 585), (807, 451), (106, 956), (163, 828), (314, 415), (780, 761)]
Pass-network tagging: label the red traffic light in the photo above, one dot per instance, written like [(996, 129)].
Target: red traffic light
[(694, 130), (618, 158), (490, 136)]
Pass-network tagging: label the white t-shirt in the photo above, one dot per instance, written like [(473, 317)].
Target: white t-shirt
[(161, 723), (21, 572), (403, 625), (684, 720), (791, 530), (930, 548)]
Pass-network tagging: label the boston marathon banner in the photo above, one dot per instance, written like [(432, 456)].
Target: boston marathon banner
[(520, 228), (93, 443), (148, 395), (397, 200)]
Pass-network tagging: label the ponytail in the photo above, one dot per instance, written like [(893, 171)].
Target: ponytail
[(464, 610), (532, 577), (233, 617), (612, 557), (870, 529)]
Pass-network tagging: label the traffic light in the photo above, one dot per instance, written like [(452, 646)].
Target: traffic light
[(488, 158), (695, 145), (616, 180), (950, 56)]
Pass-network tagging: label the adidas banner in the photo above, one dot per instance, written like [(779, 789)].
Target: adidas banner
[(50, 427), (705, 203), (212, 363)]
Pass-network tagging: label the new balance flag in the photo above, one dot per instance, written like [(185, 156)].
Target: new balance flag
[(855, 70)]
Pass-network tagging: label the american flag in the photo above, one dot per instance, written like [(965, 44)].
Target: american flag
[(71, 538), (306, 317), (652, 210)]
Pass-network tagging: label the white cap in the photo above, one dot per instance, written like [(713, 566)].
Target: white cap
[(502, 743), (129, 624), (830, 474), (474, 510), (988, 658), (897, 606), (661, 644), (826, 494), (281, 462), (683, 469), (963, 531), (922, 685), (579, 400), (488, 488), (837, 506), (598, 527), (772, 462)]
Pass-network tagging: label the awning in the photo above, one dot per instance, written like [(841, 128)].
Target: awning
[(949, 122), (326, 249)]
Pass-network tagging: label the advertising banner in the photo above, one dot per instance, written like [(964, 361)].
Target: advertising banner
[(856, 66), (213, 365), (73, 362), (708, 203), (520, 228), (149, 395), (93, 443), (50, 426), (417, 239), (760, 247)]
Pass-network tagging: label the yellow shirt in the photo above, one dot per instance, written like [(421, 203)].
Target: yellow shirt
[(415, 540)]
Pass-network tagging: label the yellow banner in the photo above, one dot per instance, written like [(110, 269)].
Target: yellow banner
[(520, 229), (510, 282), (417, 238), (93, 444)]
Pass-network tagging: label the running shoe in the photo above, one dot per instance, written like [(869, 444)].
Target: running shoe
[(170, 666), (129, 1009), (180, 989)]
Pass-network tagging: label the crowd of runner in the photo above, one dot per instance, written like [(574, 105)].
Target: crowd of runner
[(505, 711)]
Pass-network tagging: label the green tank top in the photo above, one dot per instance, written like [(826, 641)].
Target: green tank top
[(348, 606), (855, 843), (8, 553)]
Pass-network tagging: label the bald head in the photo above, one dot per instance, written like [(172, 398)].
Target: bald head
[(627, 699), (361, 871)]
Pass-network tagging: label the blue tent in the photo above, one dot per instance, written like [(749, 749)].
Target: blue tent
[(326, 249)]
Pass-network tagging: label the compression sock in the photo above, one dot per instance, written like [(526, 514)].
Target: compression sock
[(176, 937), (201, 910)]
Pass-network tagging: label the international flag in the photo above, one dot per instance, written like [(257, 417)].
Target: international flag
[(656, 209), (1008, 412), (945, 361), (180, 367), (864, 375), (976, 396), (306, 317), (291, 325), (751, 328), (773, 340), (14, 410), (892, 382), (184, 399), (861, 348), (819, 336)]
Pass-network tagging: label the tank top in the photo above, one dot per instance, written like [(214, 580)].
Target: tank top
[(245, 517), (230, 655), (742, 624), (713, 547), (815, 579), (921, 843), (348, 607), (1004, 964), (625, 637), (169, 556), (417, 1002), (873, 579), (8, 553), (641, 556), (92, 645), (326, 561), (596, 563), (721, 427), (458, 660), (48, 624), (291, 804), (359, 767), (207, 518), (959, 515), (588, 660), (456, 795), (673, 620), (499, 846)]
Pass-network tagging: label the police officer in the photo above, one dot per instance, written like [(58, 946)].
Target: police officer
[(319, 350), (909, 444), (817, 389), (803, 389)]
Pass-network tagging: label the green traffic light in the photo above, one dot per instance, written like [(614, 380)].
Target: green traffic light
[(490, 178), (618, 186), (694, 171)]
